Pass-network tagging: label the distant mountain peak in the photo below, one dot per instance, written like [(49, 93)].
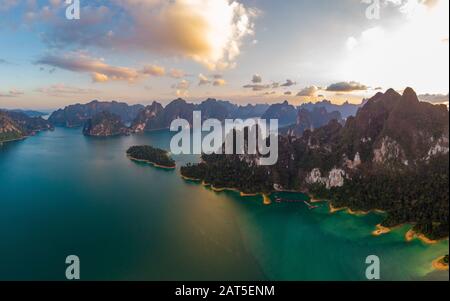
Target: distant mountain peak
[(391, 92), (410, 95)]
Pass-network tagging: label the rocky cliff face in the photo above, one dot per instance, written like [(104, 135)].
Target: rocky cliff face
[(311, 120), (105, 124), (9, 130), (30, 125), (335, 178), (394, 129), (146, 119), (17, 125)]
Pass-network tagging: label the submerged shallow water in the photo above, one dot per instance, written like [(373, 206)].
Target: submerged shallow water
[(62, 194)]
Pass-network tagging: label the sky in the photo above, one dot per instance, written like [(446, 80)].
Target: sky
[(244, 51)]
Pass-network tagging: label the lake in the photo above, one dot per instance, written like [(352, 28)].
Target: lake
[(65, 194)]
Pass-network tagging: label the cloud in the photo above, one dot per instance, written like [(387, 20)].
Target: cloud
[(182, 88), (257, 79), (99, 70), (96, 27), (308, 91), (63, 90), (257, 84), (210, 32), (203, 80), (182, 85), (154, 70), (12, 93), (411, 7), (346, 87), (288, 83), (78, 62), (177, 73), (99, 77), (257, 87), (415, 45), (219, 82), (288, 93), (6, 5), (435, 98), (4, 62), (215, 28)]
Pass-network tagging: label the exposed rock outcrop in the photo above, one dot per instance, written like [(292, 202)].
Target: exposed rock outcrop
[(105, 124)]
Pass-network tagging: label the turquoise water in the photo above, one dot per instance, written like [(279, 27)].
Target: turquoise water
[(62, 194)]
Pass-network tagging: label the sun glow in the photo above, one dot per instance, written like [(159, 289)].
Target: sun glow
[(414, 53)]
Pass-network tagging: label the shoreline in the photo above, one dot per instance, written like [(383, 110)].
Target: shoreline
[(381, 230), (411, 235), (439, 265), (335, 209), (152, 163), (265, 196), (190, 179), (12, 140)]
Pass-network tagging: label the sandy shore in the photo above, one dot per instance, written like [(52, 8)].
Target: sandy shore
[(439, 264), (411, 235), (266, 199), (243, 194), (223, 189), (313, 200), (357, 213), (381, 230), (334, 210), (152, 163), (190, 179)]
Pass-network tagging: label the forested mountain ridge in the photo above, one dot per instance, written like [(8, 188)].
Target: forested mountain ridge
[(76, 115), (156, 117), (392, 156)]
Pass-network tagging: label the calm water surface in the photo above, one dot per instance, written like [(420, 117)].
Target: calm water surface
[(62, 194)]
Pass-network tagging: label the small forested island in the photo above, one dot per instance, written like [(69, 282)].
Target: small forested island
[(155, 156)]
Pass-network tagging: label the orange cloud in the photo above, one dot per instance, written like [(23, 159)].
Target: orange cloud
[(154, 70), (100, 71), (207, 31)]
